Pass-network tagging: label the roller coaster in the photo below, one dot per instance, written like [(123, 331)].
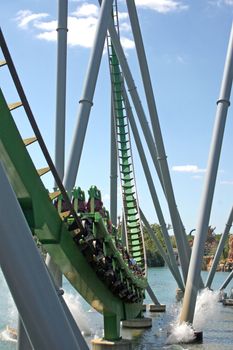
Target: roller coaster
[(77, 234), (105, 265)]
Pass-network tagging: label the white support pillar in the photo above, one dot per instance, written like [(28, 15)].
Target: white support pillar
[(61, 87), (193, 279)]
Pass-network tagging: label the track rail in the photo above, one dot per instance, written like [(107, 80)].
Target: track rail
[(134, 233)]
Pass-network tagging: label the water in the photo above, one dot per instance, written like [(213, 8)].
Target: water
[(213, 318)]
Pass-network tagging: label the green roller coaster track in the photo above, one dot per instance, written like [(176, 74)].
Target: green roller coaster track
[(133, 228), (134, 236), (86, 252)]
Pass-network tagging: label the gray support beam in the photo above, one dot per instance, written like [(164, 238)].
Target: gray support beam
[(76, 331), (152, 295), (219, 250), (161, 154), (223, 103), (60, 112), (227, 281), (145, 75), (54, 270), (161, 251), (61, 87), (33, 291), (88, 93), (151, 187), (23, 342), (113, 170), (182, 243)]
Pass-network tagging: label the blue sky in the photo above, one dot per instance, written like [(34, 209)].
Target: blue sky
[(185, 43)]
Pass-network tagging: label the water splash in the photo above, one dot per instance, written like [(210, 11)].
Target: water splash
[(79, 315), (10, 315), (206, 307), (9, 334), (180, 333)]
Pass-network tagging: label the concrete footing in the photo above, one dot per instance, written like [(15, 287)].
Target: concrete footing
[(102, 344), (222, 296), (145, 322), (157, 307), (198, 337), (227, 302)]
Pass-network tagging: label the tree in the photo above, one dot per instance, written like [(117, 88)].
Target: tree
[(154, 259)]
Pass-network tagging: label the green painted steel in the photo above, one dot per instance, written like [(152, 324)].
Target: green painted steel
[(134, 234), (74, 253)]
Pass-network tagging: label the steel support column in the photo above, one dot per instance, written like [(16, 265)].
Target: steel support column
[(60, 112), (33, 291), (152, 295), (23, 341), (223, 103), (76, 331), (88, 93), (61, 87), (161, 154), (227, 281)]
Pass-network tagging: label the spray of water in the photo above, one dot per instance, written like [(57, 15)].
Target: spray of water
[(8, 320), (79, 315), (10, 315), (180, 333), (5, 335), (206, 306)]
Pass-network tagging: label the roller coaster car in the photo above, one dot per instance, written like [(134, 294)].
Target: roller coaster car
[(98, 248)]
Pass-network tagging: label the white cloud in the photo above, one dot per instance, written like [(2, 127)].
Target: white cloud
[(220, 3), (162, 6), (24, 17), (106, 197), (81, 26), (122, 15), (226, 182), (176, 58), (81, 31), (127, 43), (188, 169), (48, 35), (87, 10), (125, 27), (47, 26)]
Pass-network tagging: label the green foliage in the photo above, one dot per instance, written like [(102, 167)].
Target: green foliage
[(173, 241), (154, 259)]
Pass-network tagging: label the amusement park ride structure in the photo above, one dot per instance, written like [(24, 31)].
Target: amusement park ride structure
[(107, 268)]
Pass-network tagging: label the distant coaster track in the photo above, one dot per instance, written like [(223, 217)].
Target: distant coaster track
[(132, 220)]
